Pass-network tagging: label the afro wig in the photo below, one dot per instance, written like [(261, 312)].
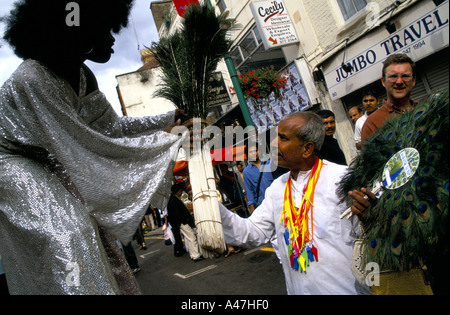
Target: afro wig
[(34, 27)]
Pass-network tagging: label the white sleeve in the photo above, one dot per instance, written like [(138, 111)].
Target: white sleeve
[(247, 232), (358, 132)]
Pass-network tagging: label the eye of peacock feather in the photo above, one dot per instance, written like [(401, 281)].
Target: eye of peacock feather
[(406, 215), (431, 136), (420, 131), (419, 182), (432, 157), (423, 207), (389, 135), (408, 195), (419, 113), (373, 243), (396, 247)]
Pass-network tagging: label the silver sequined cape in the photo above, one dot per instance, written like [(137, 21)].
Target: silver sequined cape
[(67, 163)]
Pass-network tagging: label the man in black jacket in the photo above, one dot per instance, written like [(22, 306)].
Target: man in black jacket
[(330, 150), (182, 221)]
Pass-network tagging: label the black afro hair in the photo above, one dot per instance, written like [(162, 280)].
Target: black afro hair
[(36, 26)]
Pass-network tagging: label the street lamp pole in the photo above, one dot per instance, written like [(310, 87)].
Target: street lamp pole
[(237, 88)]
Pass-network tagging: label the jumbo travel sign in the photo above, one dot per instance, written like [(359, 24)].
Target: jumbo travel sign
[(274, 23), (425, 30)]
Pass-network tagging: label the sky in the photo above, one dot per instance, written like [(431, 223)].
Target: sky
[(126, 56)]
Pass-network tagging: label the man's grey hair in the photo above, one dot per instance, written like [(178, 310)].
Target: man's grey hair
[(312, 130)]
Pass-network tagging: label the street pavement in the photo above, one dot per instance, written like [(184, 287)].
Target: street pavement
[(254, 271)]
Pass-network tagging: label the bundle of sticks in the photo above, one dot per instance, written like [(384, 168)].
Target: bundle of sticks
[(205, 203)]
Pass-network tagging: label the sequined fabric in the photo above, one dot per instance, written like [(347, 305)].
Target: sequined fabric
[(67, 163)]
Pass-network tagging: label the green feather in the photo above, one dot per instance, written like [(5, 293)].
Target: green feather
[(189, 58)]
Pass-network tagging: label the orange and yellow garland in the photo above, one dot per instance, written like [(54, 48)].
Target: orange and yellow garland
[(299, 221)]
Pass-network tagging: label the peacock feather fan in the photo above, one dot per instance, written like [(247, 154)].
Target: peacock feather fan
[(409, 224)]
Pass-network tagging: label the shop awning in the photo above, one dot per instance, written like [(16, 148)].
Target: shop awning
[(228, 154)]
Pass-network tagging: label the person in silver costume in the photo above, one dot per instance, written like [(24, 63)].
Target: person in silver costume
[(74, 175)]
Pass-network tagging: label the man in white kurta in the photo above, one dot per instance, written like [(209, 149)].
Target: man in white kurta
[(332, 236)]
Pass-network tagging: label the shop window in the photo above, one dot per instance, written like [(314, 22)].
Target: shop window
[(350, 7)]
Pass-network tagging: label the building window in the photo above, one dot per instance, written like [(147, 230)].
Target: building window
[(250, 54), (236, 56), (350, 7), (249, 44), (221, 4)]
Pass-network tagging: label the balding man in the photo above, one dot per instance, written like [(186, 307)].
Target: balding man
[(302, 209)]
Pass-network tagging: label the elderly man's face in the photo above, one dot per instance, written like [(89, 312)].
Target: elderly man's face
[(289, 145)]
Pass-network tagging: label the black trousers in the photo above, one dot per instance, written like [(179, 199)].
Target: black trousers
[(130, 256), (178, 247), (3, 285)]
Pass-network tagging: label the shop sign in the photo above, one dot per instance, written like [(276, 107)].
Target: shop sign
[(218, 90), (425, 31), (274, 23)]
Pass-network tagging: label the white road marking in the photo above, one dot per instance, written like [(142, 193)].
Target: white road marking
[(195, 272), (143, 256)]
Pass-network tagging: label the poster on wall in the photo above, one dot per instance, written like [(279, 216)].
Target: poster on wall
[(269, 112), (294, 93)]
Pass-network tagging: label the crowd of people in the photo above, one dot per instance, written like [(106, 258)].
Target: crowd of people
[(76, 178), (310, 158)]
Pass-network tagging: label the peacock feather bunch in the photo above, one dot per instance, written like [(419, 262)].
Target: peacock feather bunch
[(190, 56), (408, 225)]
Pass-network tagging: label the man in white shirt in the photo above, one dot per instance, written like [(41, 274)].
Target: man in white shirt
[(356, 114), (358, 127), (300, 137), (370, 101)]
